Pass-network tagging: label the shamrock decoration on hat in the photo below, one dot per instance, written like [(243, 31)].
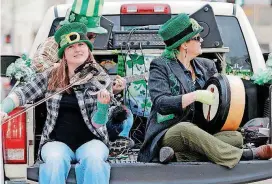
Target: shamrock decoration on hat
[(195, 25), (87, 12)]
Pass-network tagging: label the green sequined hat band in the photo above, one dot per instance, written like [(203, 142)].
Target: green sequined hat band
[(179, 36)]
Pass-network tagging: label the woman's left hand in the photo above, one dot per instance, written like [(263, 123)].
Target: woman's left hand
[(3, 116), (103, 96), (119, 84)]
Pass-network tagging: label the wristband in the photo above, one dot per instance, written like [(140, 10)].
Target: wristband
[(7, 105), (101, 114)]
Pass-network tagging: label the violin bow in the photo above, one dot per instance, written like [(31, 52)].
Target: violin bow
[(78, 78)]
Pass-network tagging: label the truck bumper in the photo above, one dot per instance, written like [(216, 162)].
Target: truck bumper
[(17, 182)]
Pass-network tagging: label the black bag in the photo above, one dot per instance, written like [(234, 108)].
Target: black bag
[(118, 115), (256, 131)]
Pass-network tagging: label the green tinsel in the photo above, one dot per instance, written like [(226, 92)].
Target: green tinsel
[(269, 61), (170, 54), (264, 76), (21, 69)]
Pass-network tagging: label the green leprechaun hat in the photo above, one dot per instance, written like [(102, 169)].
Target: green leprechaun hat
[(176, 31), (70, 34), (88, 12)]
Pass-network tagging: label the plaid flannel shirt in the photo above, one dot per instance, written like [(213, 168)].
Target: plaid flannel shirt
[(87, 104)]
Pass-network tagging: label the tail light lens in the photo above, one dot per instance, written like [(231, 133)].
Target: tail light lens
[(145, 8), (14, 139)]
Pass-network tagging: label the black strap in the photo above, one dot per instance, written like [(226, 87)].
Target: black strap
[(179, 36)]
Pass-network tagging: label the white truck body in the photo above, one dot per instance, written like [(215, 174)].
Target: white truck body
[(18, 172)]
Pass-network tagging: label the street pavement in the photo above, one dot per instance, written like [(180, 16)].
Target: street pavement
[(269, 181)]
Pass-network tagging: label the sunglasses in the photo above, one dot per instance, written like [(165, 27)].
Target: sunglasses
[(91, 35), (197, 38)]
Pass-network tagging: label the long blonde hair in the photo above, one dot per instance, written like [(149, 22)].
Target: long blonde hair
[(59, 77)]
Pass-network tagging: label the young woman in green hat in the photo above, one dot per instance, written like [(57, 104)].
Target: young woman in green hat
[(75, 128), (175, 82), (89, 13)]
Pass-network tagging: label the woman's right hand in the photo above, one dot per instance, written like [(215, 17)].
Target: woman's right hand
[(3, 116), (205, 97), (56, 65), (103, 96)]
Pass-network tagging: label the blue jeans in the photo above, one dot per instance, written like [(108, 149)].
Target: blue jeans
[(91, 167), (127, 124)]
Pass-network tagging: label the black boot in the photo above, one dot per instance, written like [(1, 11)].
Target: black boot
[(166, 154), (263, 152)]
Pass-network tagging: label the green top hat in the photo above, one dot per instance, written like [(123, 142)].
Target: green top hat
[(69, 34), (87, 12), (178, 30)]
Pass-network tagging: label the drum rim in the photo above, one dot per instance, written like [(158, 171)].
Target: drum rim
[(220, 117)]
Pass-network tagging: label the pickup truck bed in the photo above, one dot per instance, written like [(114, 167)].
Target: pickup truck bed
[(178, 173)]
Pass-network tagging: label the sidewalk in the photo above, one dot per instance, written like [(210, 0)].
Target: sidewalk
[(269, 181)]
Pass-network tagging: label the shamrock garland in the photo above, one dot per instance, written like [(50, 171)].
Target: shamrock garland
[(264, 76), (21, 69)]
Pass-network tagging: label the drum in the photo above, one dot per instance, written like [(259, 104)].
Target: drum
[(227, 112)]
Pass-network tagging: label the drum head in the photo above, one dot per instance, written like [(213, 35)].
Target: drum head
[(209, 111)]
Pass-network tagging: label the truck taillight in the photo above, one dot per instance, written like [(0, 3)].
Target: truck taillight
[(14, 139), (145, 8)]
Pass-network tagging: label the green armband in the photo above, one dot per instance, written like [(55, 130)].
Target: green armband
[(7, 105), (101, 115), (161, 118)]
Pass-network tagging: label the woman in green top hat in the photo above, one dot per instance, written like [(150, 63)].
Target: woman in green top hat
[(175, 82), (75, 128)]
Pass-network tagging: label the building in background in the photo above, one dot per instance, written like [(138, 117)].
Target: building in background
[(259, 16), (259, 13), (20, 21)]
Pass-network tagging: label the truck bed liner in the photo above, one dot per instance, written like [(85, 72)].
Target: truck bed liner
[(178, 173)]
